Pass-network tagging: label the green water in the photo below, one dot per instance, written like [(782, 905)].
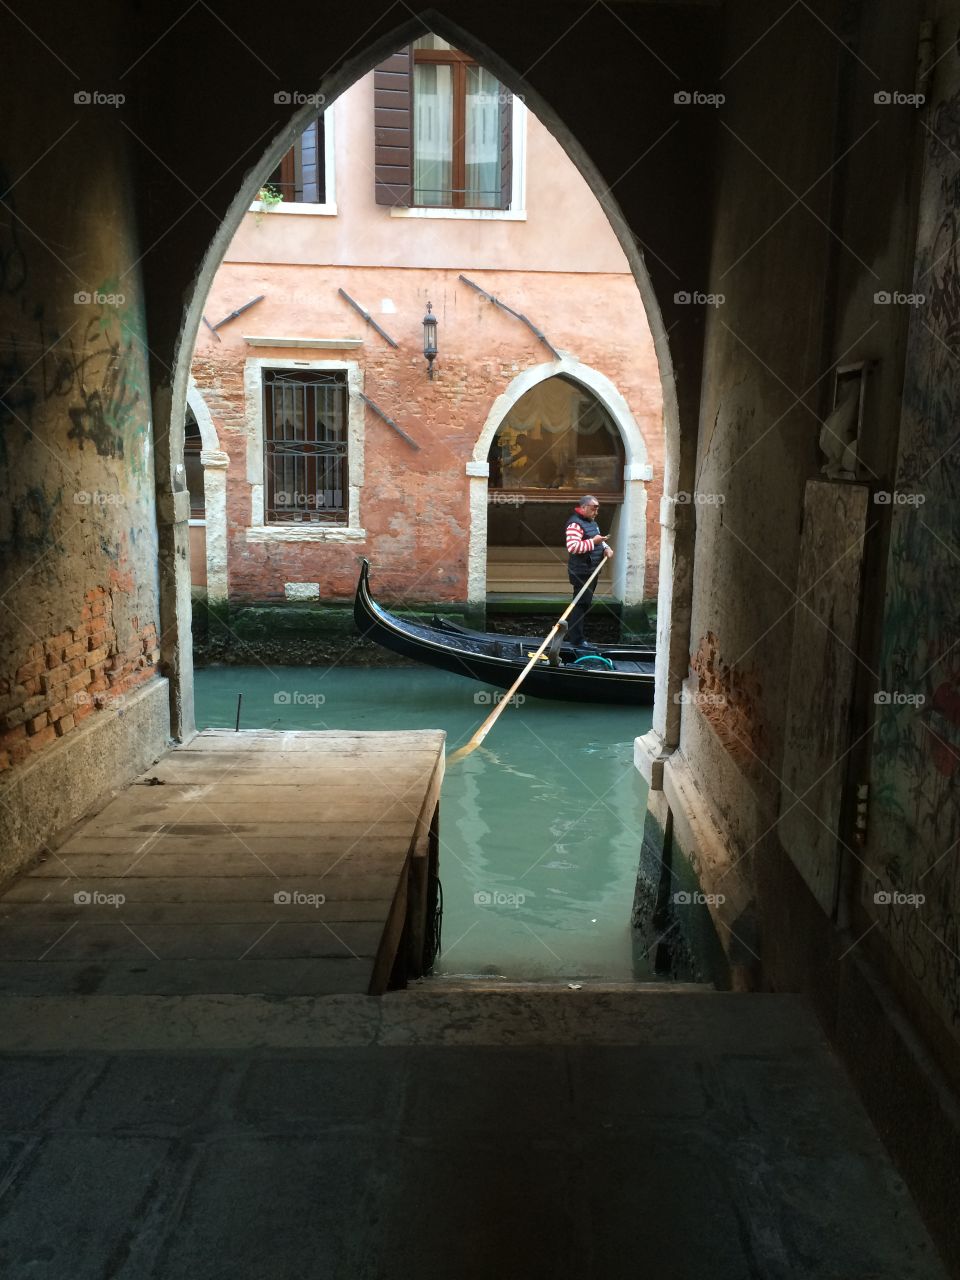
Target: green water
[(539, 829)]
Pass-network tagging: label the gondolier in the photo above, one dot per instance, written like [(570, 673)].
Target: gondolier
[(586, 547)]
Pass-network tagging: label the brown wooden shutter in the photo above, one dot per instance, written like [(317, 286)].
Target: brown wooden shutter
[(393, 129), (506, 147), (311, 164)]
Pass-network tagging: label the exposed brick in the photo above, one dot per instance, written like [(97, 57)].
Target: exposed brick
[(60, 709), (76, 665), (32, 685), (19, 751), (35, 652), (99, 607), (30, 669), (5, 761), (57, 643), (58, 675), (64, 725), (13, 736), (9, 701), (98, 655), (34, 705), (41, 739), (78, 682), (37, 723), (85, 612), (75, 649), (83, 710)]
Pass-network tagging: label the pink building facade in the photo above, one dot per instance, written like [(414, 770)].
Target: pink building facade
[(455, 486)]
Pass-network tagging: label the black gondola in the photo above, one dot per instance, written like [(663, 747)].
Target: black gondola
[(621, 674)]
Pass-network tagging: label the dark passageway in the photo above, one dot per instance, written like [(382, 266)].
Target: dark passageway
[(782, 180)]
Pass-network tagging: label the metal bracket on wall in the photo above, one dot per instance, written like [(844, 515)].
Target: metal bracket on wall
[(232, 316), (518, 314), (368, 317), (388, 420)]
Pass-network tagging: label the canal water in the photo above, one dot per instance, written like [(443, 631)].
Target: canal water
[(540, 828)]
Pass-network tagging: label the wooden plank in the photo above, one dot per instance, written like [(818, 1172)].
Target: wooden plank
[(146, 976), (198, 860), (98, 940), (213, 911), (387, 839), (228, 892), (390, 940)]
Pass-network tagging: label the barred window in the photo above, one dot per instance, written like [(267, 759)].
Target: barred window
[(305, 446)]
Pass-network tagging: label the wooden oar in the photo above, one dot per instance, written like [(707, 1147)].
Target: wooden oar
[(462, 752)]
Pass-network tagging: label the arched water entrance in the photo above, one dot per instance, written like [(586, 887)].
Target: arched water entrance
[(559, 430)]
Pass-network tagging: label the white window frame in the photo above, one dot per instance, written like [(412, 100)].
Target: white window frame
[(329, 208), (258, 530), (518, 193)]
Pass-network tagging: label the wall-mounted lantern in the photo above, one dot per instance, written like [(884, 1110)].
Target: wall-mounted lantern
[(430, 338)]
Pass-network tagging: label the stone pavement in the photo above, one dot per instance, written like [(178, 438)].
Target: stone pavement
[(440, 1132)]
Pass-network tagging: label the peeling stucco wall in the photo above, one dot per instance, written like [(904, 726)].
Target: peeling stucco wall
[(78, 541)]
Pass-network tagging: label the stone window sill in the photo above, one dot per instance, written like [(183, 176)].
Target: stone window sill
[(476, 215), (305, 533), (313, 210)]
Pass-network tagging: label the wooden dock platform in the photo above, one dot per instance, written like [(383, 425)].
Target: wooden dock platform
[(255, 862)]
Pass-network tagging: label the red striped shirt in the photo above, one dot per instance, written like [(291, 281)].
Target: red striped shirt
[(577, 545)]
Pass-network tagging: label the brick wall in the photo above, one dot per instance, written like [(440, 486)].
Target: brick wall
[(415, 504), (76, 673)]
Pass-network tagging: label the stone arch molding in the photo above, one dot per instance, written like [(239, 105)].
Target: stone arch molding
[(630, 536), (214, 462), (675, 545)]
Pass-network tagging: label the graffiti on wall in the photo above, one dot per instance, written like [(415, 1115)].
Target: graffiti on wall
[(914, 843), (69, 389)]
